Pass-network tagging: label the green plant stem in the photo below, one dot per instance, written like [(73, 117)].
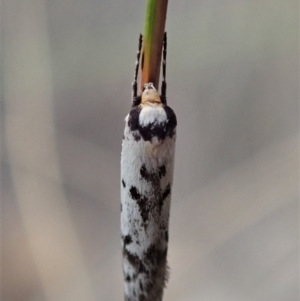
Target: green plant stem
[(155, 20)]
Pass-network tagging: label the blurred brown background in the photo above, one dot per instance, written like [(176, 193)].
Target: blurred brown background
[(233, 79)]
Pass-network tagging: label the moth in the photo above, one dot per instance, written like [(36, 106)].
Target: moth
[(147, 163)]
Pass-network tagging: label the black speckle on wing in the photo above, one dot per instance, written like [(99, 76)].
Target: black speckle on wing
[(141, 286), (127, 239), (166, 236), (166, 192), (142, 298), (136, 136), (156, 258), (162, 171), (142, 202), (135, 195), (134, 261), (127, 278), (154, 176), (159, 195), (155, 255)]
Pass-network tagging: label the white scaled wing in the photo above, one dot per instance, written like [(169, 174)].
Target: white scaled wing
[(146, 182)]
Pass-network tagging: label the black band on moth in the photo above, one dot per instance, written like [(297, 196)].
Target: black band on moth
[(136, 101), (160, 130), (133, 120), (153, 129), (172, 120), (163, 99)]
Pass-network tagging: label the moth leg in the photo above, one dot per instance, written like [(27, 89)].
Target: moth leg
[(164, 63), (135, 99)]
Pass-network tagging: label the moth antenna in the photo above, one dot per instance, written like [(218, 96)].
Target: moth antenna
[(164, 64), (134, 84)]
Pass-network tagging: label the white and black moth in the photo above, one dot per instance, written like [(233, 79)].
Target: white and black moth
[(147, 163)]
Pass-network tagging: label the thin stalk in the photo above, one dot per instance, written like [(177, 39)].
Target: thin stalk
[(155, 20)]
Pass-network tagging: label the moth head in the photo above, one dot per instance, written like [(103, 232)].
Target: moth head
[(150, 96)]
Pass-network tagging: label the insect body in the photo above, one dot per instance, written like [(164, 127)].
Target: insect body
[(146, 180)]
